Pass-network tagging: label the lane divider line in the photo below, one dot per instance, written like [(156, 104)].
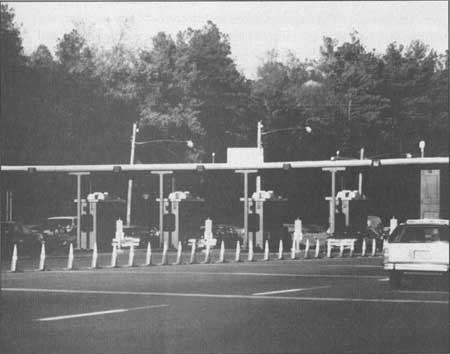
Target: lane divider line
[(229, 296), (98, 313), (290, 290)]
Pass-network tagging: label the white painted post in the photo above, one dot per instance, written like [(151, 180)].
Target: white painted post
[(14, 259), (238, 251), (131, 256), (280, 250), (293, 249), (207, 256), (266, 250), (193, 260), (374, 247), (114, 257), (307, 248), (164, 255), (341, 249), (352, 248), (148, 256), (42, 257), (94, 257), (179, 250), (364, 247), (250, 249), (329, 249), (70, 258), (222, 252), (317, 249)]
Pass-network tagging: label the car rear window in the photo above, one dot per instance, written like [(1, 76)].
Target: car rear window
[(419, 234)]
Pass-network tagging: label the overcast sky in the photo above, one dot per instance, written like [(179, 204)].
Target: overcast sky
[(253, 27)]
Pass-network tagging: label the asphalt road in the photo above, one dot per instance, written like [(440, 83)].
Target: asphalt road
[(339, 305)]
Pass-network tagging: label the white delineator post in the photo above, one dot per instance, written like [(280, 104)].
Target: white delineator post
[(298, 234), (193, 250), (364, 247), (293, 248), (42, 257), (317, 249), (280, 250), (148, 255), (14, 259), (114, 257), (70, 258), (131, 256), (238, 252), (341, 249), (250, 249), (266, 250), (328, 249), (222, 252), (307, 248), (164, 255), (207, 256), (374, 247), (179, 251), (94, 257)]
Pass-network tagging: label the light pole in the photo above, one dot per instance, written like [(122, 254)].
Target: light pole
[(259, 145), (130, 181), (135, 130)]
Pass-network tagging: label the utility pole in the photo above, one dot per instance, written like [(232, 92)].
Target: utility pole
[(259, 146), (130, 181), (360, 177)]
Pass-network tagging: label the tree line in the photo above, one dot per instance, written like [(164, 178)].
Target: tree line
[(77, 106)]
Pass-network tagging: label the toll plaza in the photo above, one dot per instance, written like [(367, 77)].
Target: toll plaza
[(99, 213), (183, 217)]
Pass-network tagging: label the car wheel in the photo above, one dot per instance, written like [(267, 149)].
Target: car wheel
[(395, 279)]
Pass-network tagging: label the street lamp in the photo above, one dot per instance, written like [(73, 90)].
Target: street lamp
[(260, 134), (189, 144)]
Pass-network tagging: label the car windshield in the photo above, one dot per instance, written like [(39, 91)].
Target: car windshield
[(420, 234)]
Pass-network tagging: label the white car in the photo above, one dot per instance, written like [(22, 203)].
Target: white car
[(417, 246)]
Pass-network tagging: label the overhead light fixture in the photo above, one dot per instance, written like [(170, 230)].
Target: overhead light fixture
[(200, 168), (287, 166), (117, 169), (32, 170)]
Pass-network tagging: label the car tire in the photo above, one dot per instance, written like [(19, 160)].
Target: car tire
[(395, 279)]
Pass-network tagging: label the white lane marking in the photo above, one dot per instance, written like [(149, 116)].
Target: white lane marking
[(98, 313), (422, 291), (143, 272), (289, 290), (225, 296)]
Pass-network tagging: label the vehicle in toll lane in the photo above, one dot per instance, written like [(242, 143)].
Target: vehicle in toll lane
[(59, 232), (417, 247), (28, 241)]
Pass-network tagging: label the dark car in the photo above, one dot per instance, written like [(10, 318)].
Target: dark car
[(229, 234), (144, 233), (59, 232), (28, 241)]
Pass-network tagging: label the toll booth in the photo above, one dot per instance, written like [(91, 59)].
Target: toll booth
[(351, 211), (183, 217), (265, 219), (99, 213)]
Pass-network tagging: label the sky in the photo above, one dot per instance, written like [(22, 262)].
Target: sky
[(254, 28)]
